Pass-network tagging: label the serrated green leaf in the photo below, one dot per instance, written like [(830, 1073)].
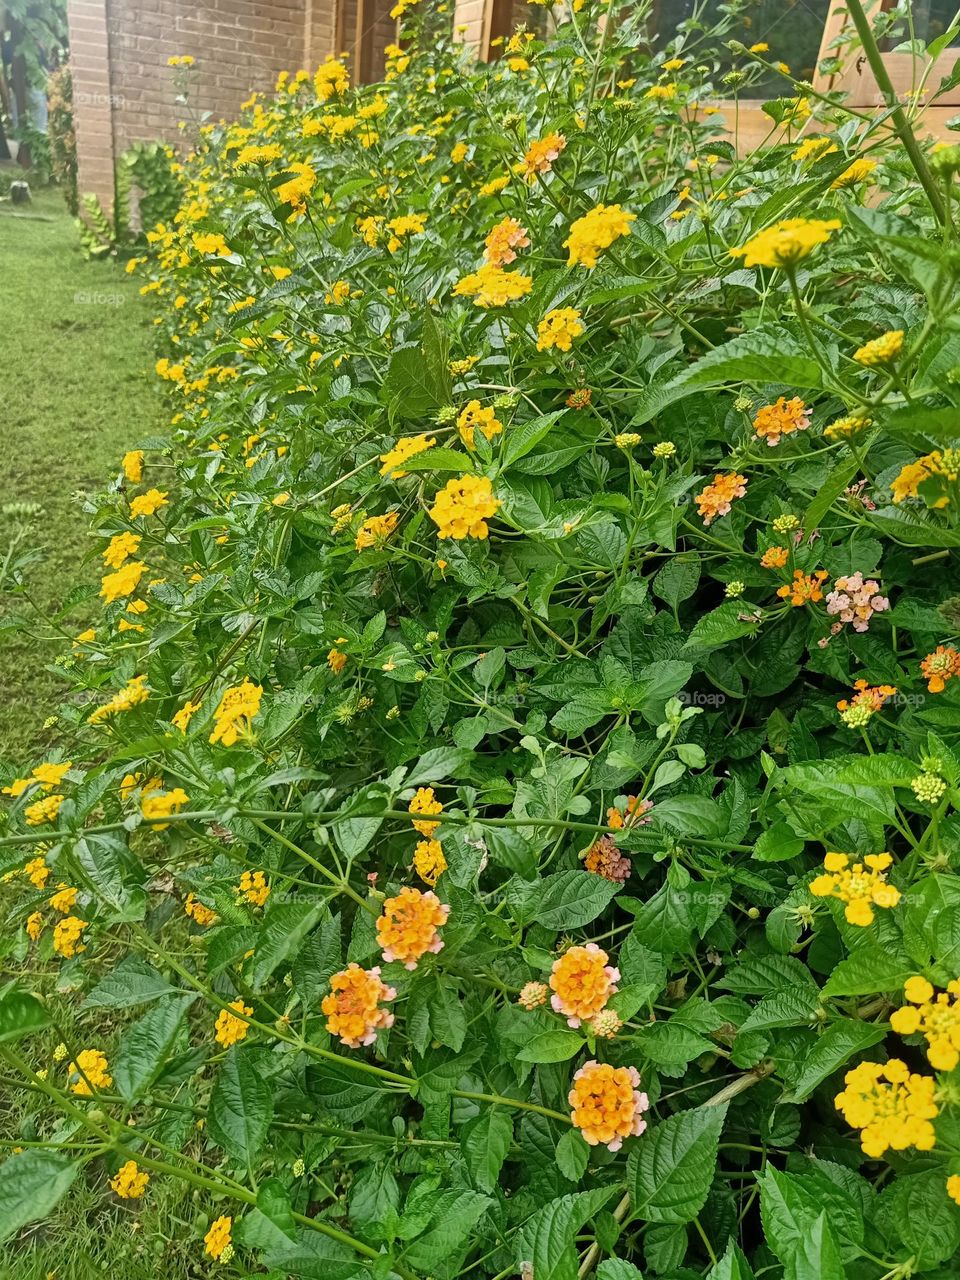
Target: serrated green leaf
[(670, 1172), (31, 1184)]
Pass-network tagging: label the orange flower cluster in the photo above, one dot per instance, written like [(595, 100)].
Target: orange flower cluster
[(632, 817), (504, 240), (939, 667), (774, 558), (407, 927), (773, 421), (805, 588), (866, 701), (582, 982), (194, 908), (352, 1008), (716, 499), (540, 155), (607, 1105)]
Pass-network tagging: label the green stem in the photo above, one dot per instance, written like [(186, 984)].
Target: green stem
[(900, 122)]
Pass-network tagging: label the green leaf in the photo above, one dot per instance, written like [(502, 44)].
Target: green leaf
[(837, 1045), (31, 1184), (20, 1015), (924, 1217), (768, 353), (836, 482), (284, 928), (669, 1173), (547, 1239), (524, 436), (485, 1143), (572, 1155), (870, 971), (241, 1104), (677, 580), (796, 1227), (777, 844), (132, 982), (145, 1047), (732, 1266), (719, 627), (571, 899), (550, 1046), (114, 874), (617, 1269), (350, 1094), (455, 1214)]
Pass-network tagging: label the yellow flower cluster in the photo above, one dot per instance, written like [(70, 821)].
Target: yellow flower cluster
[(148, 504), (253, 886), (376, 530), (937, 1020), (596, 231), (236, 710), (882, 350), (352, 1008), (861, 886), (92, 1072), (198, 912), (474, 415), (425, 802), (132, 695), (217, 1240), (161, 804), (607, 1105), (49, 775), (407, 928), (429, 861), (540, 155), (295, 190), (66, 936), (130, 1182), (491, 286), (229, 1029), (331, 78), (120, 548), (890, 1105), (42, 811), (582, 982), (558, 328), (786, 242), (123, 583), (461, 509), (405, 448)]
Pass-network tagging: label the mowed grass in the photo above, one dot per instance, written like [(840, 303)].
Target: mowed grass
[(76, 390)]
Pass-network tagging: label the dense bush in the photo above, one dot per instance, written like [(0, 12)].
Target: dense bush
[(524, 693)]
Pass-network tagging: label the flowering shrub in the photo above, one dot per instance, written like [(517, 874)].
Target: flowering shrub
[(504, 816)]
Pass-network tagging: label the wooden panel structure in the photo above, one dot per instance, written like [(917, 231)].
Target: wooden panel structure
[(854, 77)]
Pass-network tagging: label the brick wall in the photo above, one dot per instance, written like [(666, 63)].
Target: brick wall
[(124, 91)]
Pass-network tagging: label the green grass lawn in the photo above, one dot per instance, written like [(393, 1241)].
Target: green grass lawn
[(76, 389)]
